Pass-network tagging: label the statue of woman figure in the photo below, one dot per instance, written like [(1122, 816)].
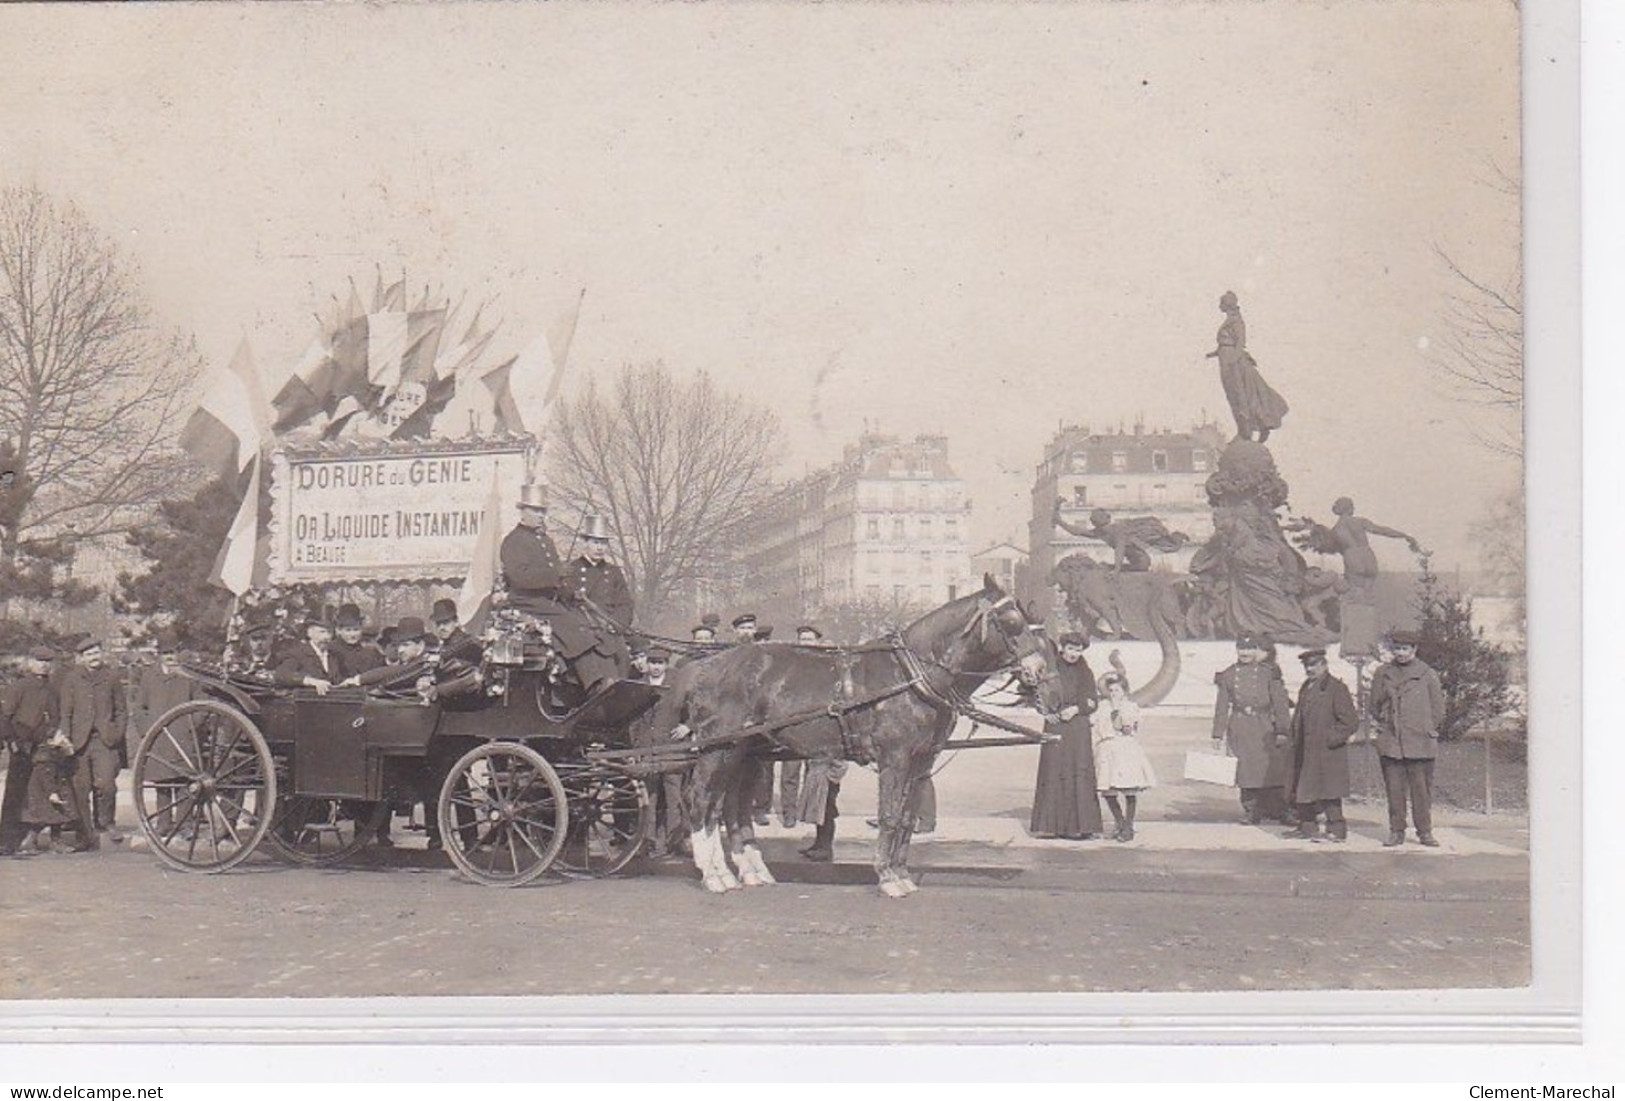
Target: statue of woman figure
[(1256, 407), (1350, 538)]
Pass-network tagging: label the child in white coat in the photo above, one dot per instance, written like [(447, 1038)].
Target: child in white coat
[(1121, 766)]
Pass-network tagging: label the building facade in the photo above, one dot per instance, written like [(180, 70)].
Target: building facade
[(1003, 562), (888, 524), (1142, 472)]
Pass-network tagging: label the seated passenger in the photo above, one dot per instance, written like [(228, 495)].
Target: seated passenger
[(310, 664), (354, 656)]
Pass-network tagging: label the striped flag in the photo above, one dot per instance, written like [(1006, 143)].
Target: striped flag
[(504, 412), (298, 399), (472, 598), (538, 375), (232, 422), (240, 566)]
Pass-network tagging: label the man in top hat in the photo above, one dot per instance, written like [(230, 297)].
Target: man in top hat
[(1407, 708), (27, 718), (530, 559), (93, 716), (448, 629), (311, 663), (1323, 721), (600, 596), (1251, 716)]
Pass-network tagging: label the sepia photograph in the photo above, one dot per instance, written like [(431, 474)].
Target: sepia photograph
[(753, 499)]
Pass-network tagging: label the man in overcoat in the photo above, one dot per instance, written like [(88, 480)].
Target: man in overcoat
[(162, 686), (93, 717), (1251, 716), (27, 719), (1322, 723), (355, 656), (1407, 709), (312, 663), (448, 629), (597, 591)]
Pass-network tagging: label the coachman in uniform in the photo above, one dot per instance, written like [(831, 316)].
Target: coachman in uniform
[(598, 593)]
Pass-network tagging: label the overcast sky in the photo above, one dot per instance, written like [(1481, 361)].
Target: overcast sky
[(981, 219)]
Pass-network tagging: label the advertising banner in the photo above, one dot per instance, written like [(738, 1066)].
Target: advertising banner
[(403, 512)]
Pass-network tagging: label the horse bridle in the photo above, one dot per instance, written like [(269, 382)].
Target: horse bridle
[(987, 609)]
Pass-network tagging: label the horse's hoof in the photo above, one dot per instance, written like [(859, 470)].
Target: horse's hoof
[(893, 888), (716, 885), (908, 885), (750, 879)]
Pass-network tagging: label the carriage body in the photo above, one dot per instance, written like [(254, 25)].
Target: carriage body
[(313, 776)]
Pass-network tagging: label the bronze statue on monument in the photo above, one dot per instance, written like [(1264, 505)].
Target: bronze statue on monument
[(1257, 408)]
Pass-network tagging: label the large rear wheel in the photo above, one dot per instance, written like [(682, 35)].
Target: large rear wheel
[(503, 814), (204, 787)]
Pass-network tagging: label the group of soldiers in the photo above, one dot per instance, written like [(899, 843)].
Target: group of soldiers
[(64, 722), (1292, 760)]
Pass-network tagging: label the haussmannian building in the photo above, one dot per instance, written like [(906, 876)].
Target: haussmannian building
[(1142, 472), (887, 524)]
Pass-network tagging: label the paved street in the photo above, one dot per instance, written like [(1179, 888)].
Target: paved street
[(1197, 902)]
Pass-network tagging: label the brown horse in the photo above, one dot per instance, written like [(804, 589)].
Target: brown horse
[(892, 702)]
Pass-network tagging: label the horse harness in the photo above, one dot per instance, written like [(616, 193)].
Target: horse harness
[(844, 700)]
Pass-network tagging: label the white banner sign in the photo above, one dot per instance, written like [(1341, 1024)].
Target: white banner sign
[(397, 516)]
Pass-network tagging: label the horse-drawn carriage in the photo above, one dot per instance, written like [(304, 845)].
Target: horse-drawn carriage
[(508, 779), (519, 787)]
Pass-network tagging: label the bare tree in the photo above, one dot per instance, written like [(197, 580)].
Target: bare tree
[(91, 386), (674, 465), (1481, 358), (1481, 354)]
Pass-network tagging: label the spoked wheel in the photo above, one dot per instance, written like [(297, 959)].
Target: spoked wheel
[(609, 820), (313, 830), (503, 814), (204, 787)]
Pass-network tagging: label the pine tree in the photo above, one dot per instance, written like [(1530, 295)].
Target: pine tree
[(1472, 670), (38, 570), (182, 545)]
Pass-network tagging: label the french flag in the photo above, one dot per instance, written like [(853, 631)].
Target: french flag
[(232, 422)]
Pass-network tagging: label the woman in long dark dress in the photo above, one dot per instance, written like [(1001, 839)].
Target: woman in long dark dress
[(1256, 407), (1066, 803)]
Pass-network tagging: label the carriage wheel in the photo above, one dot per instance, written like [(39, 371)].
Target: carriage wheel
[(610, 818), (312, 830), (503, 814), (204, 787)]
